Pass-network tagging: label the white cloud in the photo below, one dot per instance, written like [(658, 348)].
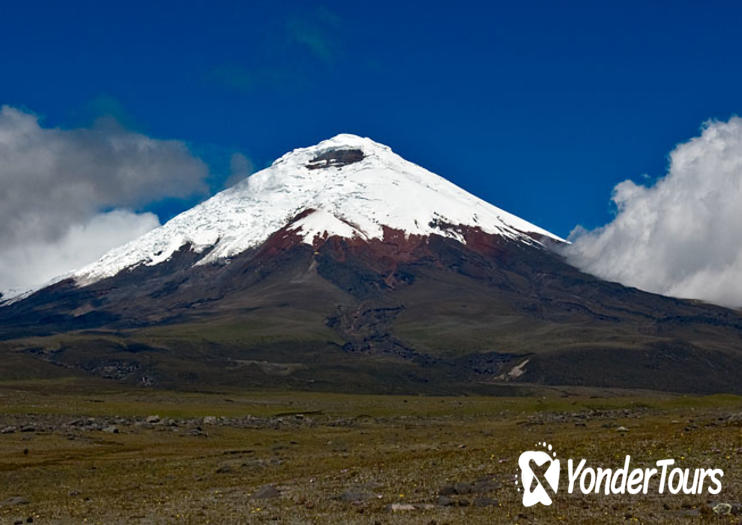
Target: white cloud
[(36, 262), (683, 235), (240, 167), (57, 184)]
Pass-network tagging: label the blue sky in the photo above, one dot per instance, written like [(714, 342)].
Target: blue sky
[(538, 108)]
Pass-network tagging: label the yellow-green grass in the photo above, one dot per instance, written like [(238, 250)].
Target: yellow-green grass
[(393, 449)]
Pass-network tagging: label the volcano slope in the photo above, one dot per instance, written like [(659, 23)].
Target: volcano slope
[(436, 317), (344, 267)]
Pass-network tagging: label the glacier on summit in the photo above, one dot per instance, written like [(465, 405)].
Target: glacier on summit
[(356, 193)]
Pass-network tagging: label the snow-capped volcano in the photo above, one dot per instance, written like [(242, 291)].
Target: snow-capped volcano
[(347, 186), (343, 266)]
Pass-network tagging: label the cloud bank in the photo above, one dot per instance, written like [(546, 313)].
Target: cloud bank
[(66, 195), (683, 235)]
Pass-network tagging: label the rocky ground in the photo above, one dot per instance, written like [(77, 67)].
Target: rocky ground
[(161, 457)]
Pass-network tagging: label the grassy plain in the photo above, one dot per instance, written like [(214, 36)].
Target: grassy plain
[(86, 452)]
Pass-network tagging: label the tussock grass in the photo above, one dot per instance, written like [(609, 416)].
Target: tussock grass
[(391, 448)]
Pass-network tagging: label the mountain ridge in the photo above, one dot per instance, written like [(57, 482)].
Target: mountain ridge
[(332, 298), (349, 199)]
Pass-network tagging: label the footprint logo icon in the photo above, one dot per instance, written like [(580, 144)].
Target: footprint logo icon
[(539, 475)]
